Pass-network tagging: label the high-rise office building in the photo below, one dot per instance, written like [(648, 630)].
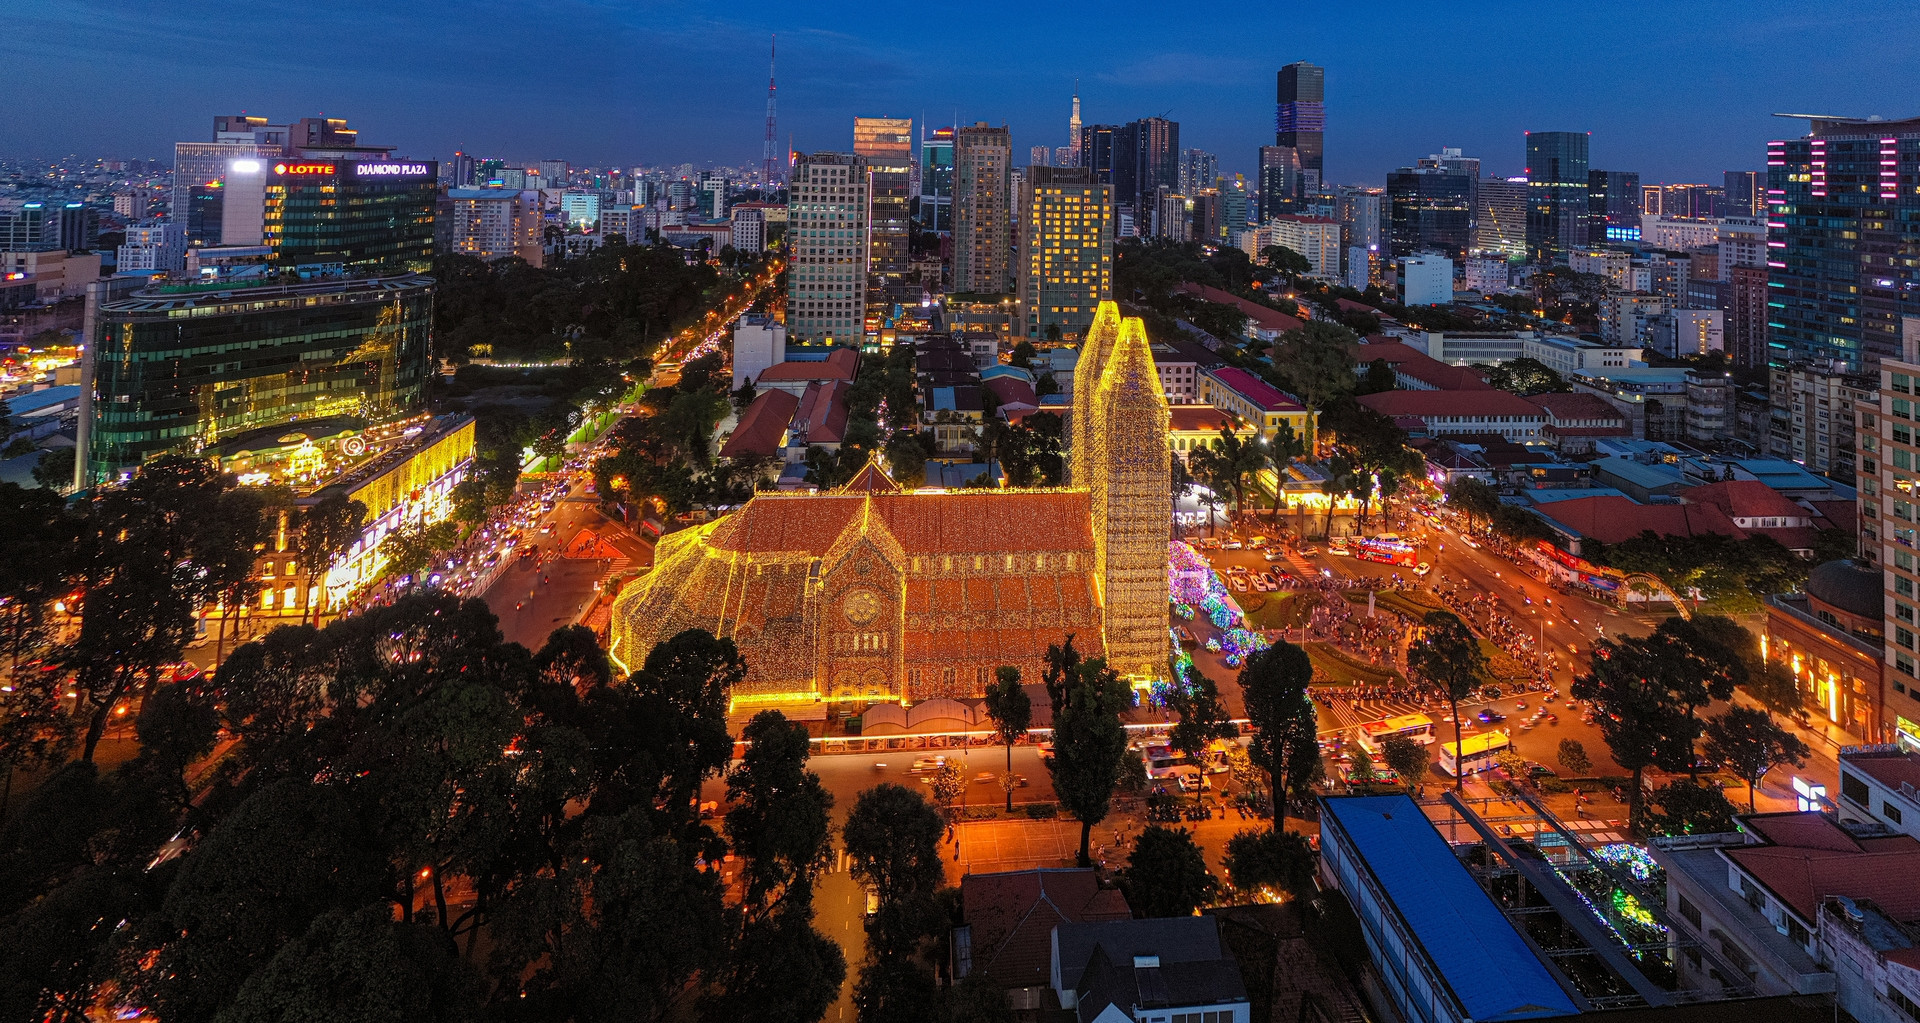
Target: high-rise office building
[(1745, 193), (936, 181), (1613, 207), (1557, 188), (1073, 122), (982, 209), (1066, 156), (1300, 121), (459, 171), (190, 369), (1066, 250), (886, 143), (827, 210), (361, 214), (1279, 181), (48, 227), (555, 173), (1845, 256), (1157, 160), (1198, 168), (1500, 218), (1430, 206), (1236, 210), (1096, 151), (1039, 156)]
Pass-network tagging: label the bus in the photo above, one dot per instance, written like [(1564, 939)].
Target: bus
[(1386, 551), (1417, 727), (1477, 753)]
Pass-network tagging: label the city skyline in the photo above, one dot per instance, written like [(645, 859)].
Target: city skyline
[(609, 86)]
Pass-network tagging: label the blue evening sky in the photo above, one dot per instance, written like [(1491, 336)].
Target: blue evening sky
[(1678, 90)]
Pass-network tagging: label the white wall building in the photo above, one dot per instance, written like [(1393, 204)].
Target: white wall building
[(580, 209), (1613, 264), (827, 231), (1564, 354), (758, 343), (1488, 276), (157, 245), (1317, 238), (1426, 279), (1660, 233), (494, 223)]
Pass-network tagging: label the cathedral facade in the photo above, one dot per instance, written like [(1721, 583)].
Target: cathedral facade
[(872, 593)]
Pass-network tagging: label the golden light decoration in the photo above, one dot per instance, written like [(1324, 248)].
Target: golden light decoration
[(871, 593)]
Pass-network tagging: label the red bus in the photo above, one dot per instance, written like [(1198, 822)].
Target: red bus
[(1387, 552)]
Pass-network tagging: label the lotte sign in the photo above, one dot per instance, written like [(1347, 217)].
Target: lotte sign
[(303, 168)]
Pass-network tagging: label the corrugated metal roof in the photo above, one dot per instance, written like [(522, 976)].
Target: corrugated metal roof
[(1491, 969)]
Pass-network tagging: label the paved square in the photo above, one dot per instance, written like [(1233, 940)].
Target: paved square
[(989, 846)]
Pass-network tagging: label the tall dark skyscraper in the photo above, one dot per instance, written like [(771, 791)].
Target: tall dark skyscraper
[(1430, 207), (1279, 181), (1844, 258), (1157, 155), (1300, 121), (1557, 187), (1613, 207), (1746, 193)]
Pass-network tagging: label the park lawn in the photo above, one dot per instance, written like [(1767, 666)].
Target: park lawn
[(1282, 610), (1331, 667)]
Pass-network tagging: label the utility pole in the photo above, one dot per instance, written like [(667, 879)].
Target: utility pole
[(767, 173)]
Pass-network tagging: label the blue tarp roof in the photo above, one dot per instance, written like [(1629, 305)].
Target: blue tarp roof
[(1490, 968)]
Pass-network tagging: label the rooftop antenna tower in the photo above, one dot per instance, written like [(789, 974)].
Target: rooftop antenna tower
[(766, 156)]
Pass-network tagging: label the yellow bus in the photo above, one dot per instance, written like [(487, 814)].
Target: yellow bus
[(1417, 727), (1477, 752)]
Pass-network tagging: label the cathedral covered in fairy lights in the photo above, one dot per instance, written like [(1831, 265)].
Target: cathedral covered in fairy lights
[(872, 593)]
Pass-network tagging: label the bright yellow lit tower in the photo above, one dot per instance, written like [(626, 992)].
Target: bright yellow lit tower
[(1086, 380), (1127, 474)]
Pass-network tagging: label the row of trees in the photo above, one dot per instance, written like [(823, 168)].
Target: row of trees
[(131, 570), (415, 813)]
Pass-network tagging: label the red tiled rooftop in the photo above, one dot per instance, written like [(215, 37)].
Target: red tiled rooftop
[(1394, 352), (1889, 769), (1613, 519), (1196, 417), (1011, 916), (840, 364), (1561, 408), (762, 426), (1268, 397), (1743, 499), (1265, 317), (1809, 858), (822, 414)]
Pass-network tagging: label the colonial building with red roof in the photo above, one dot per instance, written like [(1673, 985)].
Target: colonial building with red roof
[(1256, 405), (1007, 922), (1447, 413)]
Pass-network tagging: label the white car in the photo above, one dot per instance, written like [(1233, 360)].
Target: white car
[(1423, 569), (927, 765), (1340, 552)]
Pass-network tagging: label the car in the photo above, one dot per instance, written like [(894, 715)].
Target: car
[(1541, 771), (1309, 551), (1231, 545), (1423, 569), (1236, 570), (1239, 583), (548, 528), (927, 765), (1273, 556), (1340, 552), (983, 778), (1519, 705), (1470, 542), (1490, 716), (873, 902)]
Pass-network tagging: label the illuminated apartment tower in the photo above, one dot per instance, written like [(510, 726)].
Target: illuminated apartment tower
[(1887, 453), (827, 227), (982, 209), (1126, 471), (1065, 266)]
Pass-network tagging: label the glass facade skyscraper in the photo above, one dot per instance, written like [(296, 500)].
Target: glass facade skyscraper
[(1843, 237), (1613, 207), (1430, 208), (182, 368), (936, 181), (361, 214), (1300, 121), (1557, 213)]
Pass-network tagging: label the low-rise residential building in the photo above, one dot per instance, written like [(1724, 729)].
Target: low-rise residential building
[(1711, 415), (1147, 971), (1179, 363), (1624, 316), (1797, 903), (1008, 920), (762, 429), (795, 376), (1565, 354), (1682, 333), (1463, 412), (1192, 427), (1880, 783), (1254, 403), (1575, 421), (1653, 399), (759, 343), (1613, 264)]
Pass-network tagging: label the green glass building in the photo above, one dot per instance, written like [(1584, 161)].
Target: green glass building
[(181, 368), (358, 214)]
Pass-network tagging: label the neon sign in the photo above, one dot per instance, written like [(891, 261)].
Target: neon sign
[(303, 168), (393, 169)]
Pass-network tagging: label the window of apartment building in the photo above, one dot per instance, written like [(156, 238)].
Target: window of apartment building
[(1903, 1003), (1903, 664), (1890, 812), (1690, 912), (1853, 789)]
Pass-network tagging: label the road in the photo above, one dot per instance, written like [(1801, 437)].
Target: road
[(534, 597)]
